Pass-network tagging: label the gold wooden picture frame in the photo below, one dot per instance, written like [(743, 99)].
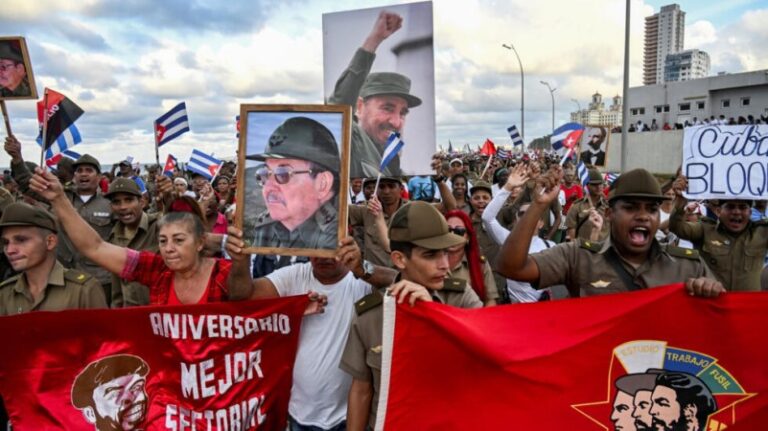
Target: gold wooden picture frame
[(292, 193), (13, 56)]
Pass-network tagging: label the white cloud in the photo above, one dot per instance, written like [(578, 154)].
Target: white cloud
[(700, 33)]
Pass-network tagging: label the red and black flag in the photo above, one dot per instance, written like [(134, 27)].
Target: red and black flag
[(62, 112)]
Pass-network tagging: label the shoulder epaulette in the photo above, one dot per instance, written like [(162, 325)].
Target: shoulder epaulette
[(10, 280), (591, 245), (368, 302), (686, 253), (76, 276), (454, 285)]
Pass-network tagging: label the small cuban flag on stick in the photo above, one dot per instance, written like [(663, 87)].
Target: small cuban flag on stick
[(170, 126), (170, 166), (514, 134), (393, 146), (566, 136), (583, 173), (204, 164)]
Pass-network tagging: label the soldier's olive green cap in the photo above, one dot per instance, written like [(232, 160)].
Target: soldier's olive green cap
[(21, 214), (637, 183), (595, 177), (123, 185), (481, 185), (389, 83), (10, 53), (421, 224), (304, 139), (6, 198), (87, 159)]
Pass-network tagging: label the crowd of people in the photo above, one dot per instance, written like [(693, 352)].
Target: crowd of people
[(474, 234), (741, 120)]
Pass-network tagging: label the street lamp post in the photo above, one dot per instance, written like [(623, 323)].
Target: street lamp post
[(552, 94), (522, 90), (578, 105)]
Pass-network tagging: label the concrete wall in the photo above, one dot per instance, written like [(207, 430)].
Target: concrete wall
[(659, 152)]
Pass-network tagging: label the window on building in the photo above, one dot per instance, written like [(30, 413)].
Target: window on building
[(684, 106), (745, 101), (725, 103), (666, 108), (658, 109), (700, 106)]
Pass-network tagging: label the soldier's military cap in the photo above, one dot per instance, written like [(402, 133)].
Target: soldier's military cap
[(10, 52), (6, 198), (87, 159), (389, 83), (382, 180), (304, 139), (421, 224), (481, 185), (21, 214), (637, 183), (123, 185), (595, 177)]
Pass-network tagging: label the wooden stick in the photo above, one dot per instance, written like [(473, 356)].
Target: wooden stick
[(45, 130), (6, 119)]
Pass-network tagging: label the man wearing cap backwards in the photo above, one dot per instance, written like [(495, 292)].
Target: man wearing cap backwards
[(300, 186), (13, 74), (629, 259), (85, 196), (29, 236), (381, 102), (134, 229), (577, 220), (733, 245), (419, 238)]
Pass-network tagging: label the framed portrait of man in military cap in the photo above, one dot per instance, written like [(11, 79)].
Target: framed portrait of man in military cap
[(294, 168), (16, 78)]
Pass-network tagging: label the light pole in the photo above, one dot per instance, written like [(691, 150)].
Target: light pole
[(522, 90), (577, 104), (552, 94), (625, 91)]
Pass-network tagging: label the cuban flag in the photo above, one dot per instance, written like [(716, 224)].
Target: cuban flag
[(203, 164), (54, 161), (172, 124), (394, 145), (67, 139), (170, 166), (515, 135), (583, 173), (503, 154), (566, 136), (610, 177)]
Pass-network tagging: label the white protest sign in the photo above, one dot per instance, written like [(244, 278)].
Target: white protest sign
[(726, 162)]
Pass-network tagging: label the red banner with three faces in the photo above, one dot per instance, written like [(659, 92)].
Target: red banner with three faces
[(651, 360), (225, 366)]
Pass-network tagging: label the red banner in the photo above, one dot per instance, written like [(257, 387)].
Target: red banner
[(224, 366), (655, 359)]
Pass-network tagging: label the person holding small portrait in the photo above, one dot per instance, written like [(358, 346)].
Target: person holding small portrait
[(594, 154), (13, 74), (381, 102), (300, 186)]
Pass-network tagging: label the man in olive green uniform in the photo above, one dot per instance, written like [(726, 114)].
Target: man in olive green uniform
[(300, 187), (628, 260), (577, 220), (85, 196), (380, 100), (14, 81), (419, 238), (733, 245), (29, 240), (134, 229)]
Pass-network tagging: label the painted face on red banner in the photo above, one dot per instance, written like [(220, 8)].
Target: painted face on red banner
[(621, 416), (642, 411), (120, 404), (666, 409), (381, 115)]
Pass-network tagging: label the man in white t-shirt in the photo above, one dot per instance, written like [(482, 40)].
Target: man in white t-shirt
[(319, 393)]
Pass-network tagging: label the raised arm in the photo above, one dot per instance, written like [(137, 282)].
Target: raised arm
[(86, 240), (240, 283), (513, 260), (517, 178), (677, 223)]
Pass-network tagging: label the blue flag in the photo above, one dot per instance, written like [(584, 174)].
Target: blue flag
[(394, 145)]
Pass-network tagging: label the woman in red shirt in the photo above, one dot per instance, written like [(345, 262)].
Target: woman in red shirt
[(180, 274)]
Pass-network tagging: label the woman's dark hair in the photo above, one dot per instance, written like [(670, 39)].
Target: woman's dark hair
[(189, 218)]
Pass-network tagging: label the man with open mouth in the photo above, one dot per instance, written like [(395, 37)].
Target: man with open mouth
[(733, 245), (630, 259)]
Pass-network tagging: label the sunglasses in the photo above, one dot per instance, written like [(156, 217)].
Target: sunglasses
[(460, 231), (282, 174)]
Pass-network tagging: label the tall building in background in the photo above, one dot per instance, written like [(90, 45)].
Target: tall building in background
[(664, 34), (686, 65)]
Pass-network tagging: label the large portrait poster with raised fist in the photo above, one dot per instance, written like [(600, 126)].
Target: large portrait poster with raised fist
[(381, 62)]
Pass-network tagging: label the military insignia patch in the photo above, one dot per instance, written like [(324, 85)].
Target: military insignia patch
[(600, 284)]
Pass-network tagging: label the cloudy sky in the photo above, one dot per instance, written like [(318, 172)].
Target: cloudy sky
[(126, 62)]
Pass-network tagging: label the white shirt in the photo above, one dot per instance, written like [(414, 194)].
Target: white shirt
[(320, 387)]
